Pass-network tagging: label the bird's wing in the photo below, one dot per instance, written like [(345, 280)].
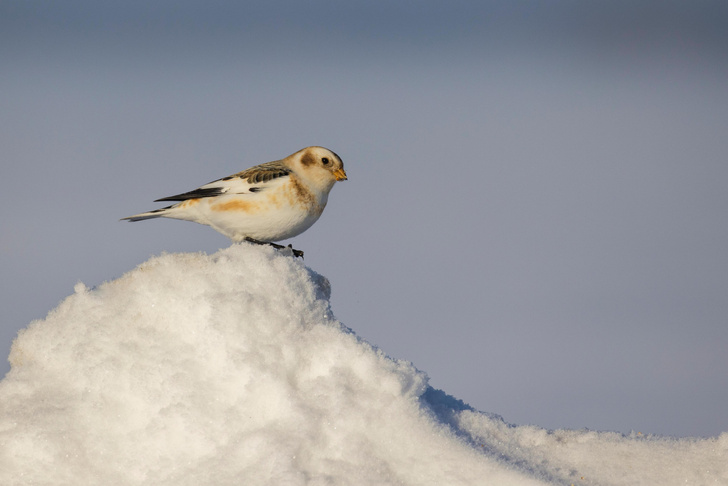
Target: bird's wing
[(264, 172), (255, 179)]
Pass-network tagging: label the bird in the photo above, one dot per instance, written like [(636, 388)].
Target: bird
[(264, 204)]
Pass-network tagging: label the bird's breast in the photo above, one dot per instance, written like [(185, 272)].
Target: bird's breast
[(297, 194)]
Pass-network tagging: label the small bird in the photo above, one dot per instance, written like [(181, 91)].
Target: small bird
[(263, 204)]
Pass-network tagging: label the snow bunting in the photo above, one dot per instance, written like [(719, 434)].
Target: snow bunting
[(266, 203)]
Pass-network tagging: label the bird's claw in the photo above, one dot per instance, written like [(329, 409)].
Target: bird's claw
[(296, 253)]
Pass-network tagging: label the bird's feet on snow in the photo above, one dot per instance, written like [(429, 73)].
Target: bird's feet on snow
[(296, 253)]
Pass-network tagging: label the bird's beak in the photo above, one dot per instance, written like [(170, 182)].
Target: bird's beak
[(340, 175)]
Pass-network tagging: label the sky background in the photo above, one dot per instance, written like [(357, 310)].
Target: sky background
[(536, 206)]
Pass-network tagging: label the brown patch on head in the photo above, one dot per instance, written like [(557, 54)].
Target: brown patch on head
[(308, 159), (236, 205)]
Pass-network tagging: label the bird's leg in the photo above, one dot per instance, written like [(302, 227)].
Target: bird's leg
[(296, 253)]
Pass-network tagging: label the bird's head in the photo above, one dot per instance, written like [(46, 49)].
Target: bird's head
[(318, 166)]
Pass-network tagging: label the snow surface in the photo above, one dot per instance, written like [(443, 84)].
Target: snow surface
[(230, 369)]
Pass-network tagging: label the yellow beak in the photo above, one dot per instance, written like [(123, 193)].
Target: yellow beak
[(340, 175)]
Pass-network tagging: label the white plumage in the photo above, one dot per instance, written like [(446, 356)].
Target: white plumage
[(266, 203)]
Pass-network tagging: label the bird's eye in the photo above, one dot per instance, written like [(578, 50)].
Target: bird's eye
[(325, 161)]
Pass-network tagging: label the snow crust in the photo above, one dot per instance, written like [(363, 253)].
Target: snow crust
[(231, 369)]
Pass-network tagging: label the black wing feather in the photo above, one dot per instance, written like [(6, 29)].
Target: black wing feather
[(255, 175), (196, 194)]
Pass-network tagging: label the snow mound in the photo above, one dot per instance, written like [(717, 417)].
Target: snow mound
[(230, 369)]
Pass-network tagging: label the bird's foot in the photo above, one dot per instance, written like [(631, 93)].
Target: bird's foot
[(296, 253)]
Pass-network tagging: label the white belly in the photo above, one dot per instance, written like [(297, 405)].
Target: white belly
[(248, 215)]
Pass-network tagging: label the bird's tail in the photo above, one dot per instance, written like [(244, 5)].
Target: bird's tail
[(157, 213)]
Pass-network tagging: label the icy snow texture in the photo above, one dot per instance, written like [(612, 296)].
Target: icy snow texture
[(230, 369)]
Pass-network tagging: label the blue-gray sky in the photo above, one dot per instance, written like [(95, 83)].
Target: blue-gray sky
[(536, 210)]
